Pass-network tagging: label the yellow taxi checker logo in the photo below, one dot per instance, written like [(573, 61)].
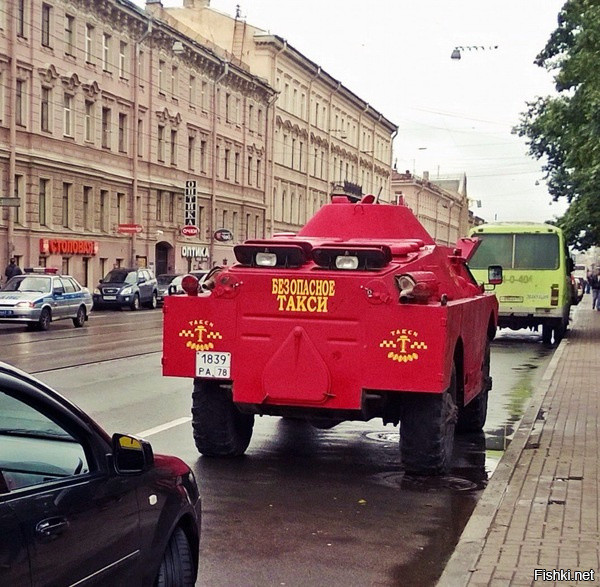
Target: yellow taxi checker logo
[(403, 345), (201, 333)]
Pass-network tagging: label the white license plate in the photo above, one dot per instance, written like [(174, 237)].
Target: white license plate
[(213, 365), (110, 297)]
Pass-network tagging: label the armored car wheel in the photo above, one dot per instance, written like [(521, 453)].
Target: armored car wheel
[(427, 431), (471, 418), (220, 429)]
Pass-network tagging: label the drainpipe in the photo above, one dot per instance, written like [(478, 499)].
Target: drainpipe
[(271, 146), (331, 94), (394, 135), (135, 137), (308, 127), (213, 188), (12, 161)]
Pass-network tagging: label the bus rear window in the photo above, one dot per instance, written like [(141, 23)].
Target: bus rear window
[(495, 249), (517, 251), (536, 251)]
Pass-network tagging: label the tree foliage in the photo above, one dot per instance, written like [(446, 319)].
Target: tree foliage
[(564, 130)]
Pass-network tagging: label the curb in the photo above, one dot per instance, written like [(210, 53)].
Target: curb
[(463, 561)]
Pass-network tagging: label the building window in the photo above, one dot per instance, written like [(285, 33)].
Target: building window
[(249, 170), (174, 80), (89, 43), (65, 265), (140, 133), (106, 127), (45, 110), (69, 35), (173, 147), (236, 170), (204, 95), (21, 18), (192, 90), (260, 120), (226, 161), (217, 171), (161, 143), (19, 193), (43, 194), (87, 208), (46, 15), (161, 76), (66, 204), (121, 208), (68, 115), (104, 210), (258, 173), (89, 120), (159, 205), (228, 107), (171, 207), (123, 59), (106, 41), (20, 103), (191, 146), (122, 132)]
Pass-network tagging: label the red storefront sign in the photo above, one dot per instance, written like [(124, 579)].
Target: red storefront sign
[(61, 246)]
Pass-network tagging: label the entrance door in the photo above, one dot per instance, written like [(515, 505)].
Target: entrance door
[(163, 260)]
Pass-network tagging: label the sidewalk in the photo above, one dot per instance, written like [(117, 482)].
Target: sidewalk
[(540, 509)]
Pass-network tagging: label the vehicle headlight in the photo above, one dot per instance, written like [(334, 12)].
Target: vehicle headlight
[(266, 259), (126, 291), (97, 291), (346, 262), (24, 305)]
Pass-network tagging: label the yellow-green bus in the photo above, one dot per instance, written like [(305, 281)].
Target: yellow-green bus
[(536, 287)]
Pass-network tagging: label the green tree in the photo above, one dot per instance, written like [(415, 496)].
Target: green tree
[(564, 130)]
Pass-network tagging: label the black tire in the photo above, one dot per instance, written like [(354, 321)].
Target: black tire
[(135, 303), (427, 429), (546, 333), (45, 319), (471, 418), (153, 303), (220, 429), (177, 567), (79, 320), (560, 330)]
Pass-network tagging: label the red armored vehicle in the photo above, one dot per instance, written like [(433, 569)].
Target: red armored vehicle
[(358, 315)]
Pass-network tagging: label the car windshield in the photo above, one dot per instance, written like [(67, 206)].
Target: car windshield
[(165, 279), (28, 283), (121, 276)]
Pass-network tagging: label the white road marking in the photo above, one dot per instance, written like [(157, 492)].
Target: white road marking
[(163, 427)]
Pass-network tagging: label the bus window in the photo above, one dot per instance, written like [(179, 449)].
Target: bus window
[(495, 249), (536, 251)]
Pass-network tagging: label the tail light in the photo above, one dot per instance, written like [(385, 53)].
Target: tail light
[(554, 294), (189, 284)]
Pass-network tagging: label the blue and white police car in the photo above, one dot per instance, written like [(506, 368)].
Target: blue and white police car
[(41, 296)]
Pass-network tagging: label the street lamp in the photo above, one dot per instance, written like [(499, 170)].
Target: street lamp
[(457, 51)]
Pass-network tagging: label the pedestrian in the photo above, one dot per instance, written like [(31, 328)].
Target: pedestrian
[(595, 287), (12, 269), (588, 274)]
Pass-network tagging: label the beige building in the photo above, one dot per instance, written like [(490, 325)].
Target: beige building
[(106, 114), (441, 205), (322, 132)]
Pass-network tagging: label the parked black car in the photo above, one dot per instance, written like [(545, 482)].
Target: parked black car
[(168, 284), (80, 507), (127, 287)]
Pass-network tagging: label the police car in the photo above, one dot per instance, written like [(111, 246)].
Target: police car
[(40, 296)]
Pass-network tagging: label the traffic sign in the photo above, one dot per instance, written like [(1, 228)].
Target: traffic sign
[(223, 235), (189, 230), (129, 228), (10, 202)]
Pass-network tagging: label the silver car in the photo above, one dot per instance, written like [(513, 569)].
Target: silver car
[(36, 299)]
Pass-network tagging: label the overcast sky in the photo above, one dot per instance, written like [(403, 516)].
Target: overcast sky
[(454, 116)]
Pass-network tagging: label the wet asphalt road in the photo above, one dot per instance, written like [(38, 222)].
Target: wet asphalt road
[(304, 506)]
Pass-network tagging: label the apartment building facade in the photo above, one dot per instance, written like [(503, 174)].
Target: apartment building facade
[(322, 132), (106, 115)]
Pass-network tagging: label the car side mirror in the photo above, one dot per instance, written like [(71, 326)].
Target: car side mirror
[(495, 274), (131, 454), (101, 281)]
